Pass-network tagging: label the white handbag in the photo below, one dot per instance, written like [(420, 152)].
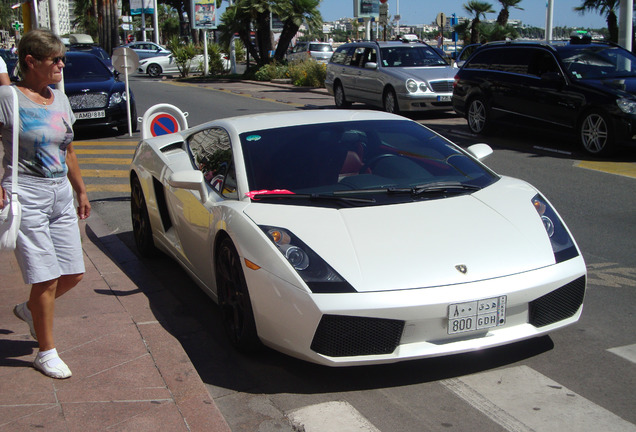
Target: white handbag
[(11, 214)]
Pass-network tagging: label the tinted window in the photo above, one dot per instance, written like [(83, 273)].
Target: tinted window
[(211, 153), (597, 61), (410, 56), (320, 47), (85, 67), (354, 156), (513, 60)]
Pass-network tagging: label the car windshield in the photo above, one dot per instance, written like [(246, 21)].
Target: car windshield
[(86, 67), (380, 161), (597, 62), (320, 47), (410, 56)]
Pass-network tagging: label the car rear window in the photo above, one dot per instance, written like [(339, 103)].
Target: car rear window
[(513, 60), (320, 47)]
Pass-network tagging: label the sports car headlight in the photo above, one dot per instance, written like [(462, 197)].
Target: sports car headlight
[(562, 244), (626, 105), (317, 274)]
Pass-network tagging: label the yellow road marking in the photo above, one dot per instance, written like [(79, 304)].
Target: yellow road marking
[(105, 151), (104, 161), (108, 188), (103, 173), (105, 143), (627, 169)]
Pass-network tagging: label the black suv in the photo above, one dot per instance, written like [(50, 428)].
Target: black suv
[(589, 88)]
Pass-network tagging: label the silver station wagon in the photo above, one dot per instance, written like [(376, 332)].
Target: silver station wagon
[(397, 76)]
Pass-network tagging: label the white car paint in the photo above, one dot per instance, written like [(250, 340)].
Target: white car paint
[(402, 259)]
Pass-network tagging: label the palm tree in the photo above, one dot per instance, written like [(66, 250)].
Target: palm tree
[(504, 13), (478, 8), (294, 13), (603, 7)]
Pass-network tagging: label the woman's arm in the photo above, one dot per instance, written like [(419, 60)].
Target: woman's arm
[(75, 177)]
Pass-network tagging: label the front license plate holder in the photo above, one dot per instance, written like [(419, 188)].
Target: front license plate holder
[(476, 315), (90, 115), (443, 98)]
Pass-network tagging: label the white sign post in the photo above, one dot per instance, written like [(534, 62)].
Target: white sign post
[(125, 60)]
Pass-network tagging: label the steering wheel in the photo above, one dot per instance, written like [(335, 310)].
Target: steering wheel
[(368, 166)]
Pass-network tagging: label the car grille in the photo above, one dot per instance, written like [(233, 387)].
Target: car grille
[(88, 100), (340, 336), (558, 305), (442, 86)]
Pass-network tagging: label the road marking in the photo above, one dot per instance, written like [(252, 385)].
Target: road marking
[(521, 399), (105, 161), (103, 143), (330, 416), (108, 188), (104, 173), (628, 352), (105, 151), (626, 169), (610, 275)]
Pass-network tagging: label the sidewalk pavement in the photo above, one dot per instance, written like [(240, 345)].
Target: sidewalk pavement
[(129, 371)]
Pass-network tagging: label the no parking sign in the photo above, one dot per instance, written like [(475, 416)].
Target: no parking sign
[(163, 119)]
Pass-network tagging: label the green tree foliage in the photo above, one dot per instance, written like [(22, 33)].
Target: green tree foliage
[(183, 54), (603, 7), (504, 13), (478, 9)]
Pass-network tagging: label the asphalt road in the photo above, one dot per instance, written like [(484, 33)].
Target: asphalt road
[(572, 380)]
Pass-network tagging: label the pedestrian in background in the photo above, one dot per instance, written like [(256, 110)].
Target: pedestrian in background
[(4, 74), (48, 249)]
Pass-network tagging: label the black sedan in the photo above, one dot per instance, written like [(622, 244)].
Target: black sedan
[(97, 97)]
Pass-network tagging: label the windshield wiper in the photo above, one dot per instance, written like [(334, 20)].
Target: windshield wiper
[(321, 197), (438, 187)]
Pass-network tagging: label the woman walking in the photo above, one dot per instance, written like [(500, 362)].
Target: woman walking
[(48, 248)]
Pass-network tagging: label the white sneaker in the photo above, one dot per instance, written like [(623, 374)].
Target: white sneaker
[(22, 311), (59, 371)]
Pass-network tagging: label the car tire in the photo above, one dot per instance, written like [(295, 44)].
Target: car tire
[(234, 299), (142, 230), (154, 70), (478, 116), (390, 102), (595, 133), (339, 97)]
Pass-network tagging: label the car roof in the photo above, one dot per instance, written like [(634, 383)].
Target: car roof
[(385, 44)]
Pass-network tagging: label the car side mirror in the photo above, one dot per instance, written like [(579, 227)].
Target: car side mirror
[(191, 180), (479, 151), (370, 65)]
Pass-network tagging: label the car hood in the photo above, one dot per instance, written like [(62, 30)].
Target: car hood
[(106, 86), (616, 85), (494, 232), (424, 73)]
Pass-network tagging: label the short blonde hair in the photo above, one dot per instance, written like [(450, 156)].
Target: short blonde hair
[(41, 44)]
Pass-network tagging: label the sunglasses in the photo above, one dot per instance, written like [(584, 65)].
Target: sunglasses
[(58, 59)]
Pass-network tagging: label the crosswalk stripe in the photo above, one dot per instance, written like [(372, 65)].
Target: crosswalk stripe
[(523, 400), (77, 144), (103, 173), (108, 188), (105, 161), (628, 352), (330, 416), (105, 151)]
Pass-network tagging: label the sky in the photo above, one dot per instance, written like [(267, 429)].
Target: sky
[(425, 11)]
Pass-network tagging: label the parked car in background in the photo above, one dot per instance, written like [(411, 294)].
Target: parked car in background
[(397, 76), (85, 43), (147, 49), (11, 60), (377, 241), (166, 65), (97, 98), (319, 51), (459, 58), (587, 88)]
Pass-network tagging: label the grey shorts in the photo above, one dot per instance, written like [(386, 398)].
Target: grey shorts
[(49, 243)]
